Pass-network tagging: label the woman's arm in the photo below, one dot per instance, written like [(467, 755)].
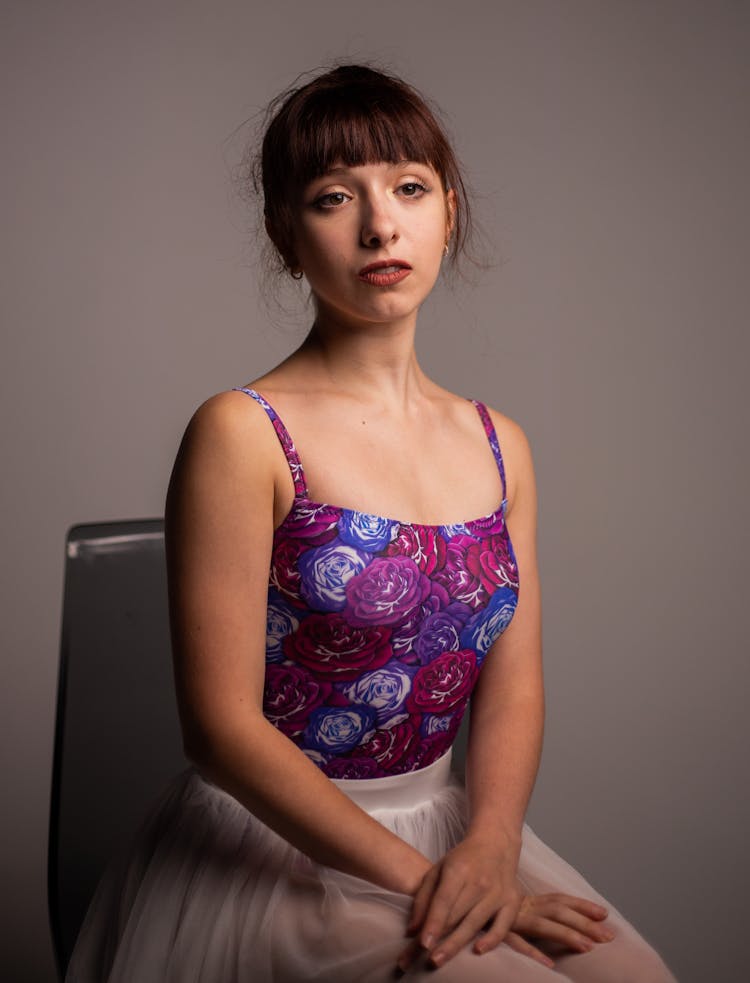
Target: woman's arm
[(475, 884), (228, 480), (507, 708)]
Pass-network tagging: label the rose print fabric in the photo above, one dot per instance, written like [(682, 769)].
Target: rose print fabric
[(377, 629)]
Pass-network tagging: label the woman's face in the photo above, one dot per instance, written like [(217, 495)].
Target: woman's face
[(370, 239)]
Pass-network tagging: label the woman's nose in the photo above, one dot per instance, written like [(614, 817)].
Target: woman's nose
[(378, 225)]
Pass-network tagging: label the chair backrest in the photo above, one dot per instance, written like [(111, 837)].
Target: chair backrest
[(117, 739)]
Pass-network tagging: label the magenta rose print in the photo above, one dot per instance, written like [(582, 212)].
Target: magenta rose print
[(443, 683), (424, 545), (285, 576), (490, 525), (385, 690), (474, 568), (333, 649), (390, 745), (339, 729), (290, 695), (325, 572), (315, 524), (387, 592)]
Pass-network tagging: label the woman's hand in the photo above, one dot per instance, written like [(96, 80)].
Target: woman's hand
[(562, 919), (473, 888)]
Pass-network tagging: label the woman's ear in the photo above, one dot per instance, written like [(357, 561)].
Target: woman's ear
[(287, 254)]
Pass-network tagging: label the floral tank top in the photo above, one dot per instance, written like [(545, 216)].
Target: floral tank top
[(377, 629)]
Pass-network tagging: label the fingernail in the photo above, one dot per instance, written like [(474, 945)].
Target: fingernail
[(428, 941), (607, 936), (437, 958)]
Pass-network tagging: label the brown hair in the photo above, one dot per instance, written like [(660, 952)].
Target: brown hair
[(351, 114)]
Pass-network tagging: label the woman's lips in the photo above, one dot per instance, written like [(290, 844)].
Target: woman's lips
[(385, 272)]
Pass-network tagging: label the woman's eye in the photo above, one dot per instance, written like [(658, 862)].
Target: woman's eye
[(412, 189), (331, 200)]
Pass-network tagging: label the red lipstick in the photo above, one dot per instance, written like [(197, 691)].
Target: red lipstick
[(384, 273)]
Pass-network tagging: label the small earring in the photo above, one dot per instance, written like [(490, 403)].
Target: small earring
[(446, 249), (296, 274)]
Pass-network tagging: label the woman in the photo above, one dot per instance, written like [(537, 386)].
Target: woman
[(321, 827)]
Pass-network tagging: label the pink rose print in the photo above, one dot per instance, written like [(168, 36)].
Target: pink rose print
[(290, 695), (331, 648), (387, 592), (422, 544), (444, 682)]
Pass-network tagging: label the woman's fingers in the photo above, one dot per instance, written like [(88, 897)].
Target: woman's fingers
[(571, 921), (520, 944), (483, 914), (421, 902)]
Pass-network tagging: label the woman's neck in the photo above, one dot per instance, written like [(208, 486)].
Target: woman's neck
[(374, 362)]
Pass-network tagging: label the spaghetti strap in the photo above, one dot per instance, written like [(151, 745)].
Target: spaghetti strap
[(489, 429), (295, 465)]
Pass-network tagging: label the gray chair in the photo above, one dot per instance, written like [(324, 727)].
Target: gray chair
[(117, 740)]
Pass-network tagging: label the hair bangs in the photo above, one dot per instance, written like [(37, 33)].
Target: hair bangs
[(354, 133)]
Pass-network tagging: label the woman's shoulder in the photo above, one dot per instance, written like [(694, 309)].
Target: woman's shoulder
[(231, 431)]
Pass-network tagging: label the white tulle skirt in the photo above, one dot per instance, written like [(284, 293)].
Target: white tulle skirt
[(209, 894)]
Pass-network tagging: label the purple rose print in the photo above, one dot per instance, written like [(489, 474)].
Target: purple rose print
[(339, 729), (367, 532), (385, 690), (440, 632), (353, 768), (489, 623), (331, 648), (404, 635), (325, 572), (444, 682), (387, 592), (422, 544), (281, 621), (290, 694)]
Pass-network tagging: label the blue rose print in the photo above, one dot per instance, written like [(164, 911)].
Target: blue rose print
[(281, 621), (325, 572), (433, 723), (489, 623), (368, 532), (385, 690), (339, 729), (456, 529)]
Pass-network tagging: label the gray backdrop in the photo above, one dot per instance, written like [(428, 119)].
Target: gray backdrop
[(609, 142)]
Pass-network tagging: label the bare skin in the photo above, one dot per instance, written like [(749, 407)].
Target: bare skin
[(373, 432)]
